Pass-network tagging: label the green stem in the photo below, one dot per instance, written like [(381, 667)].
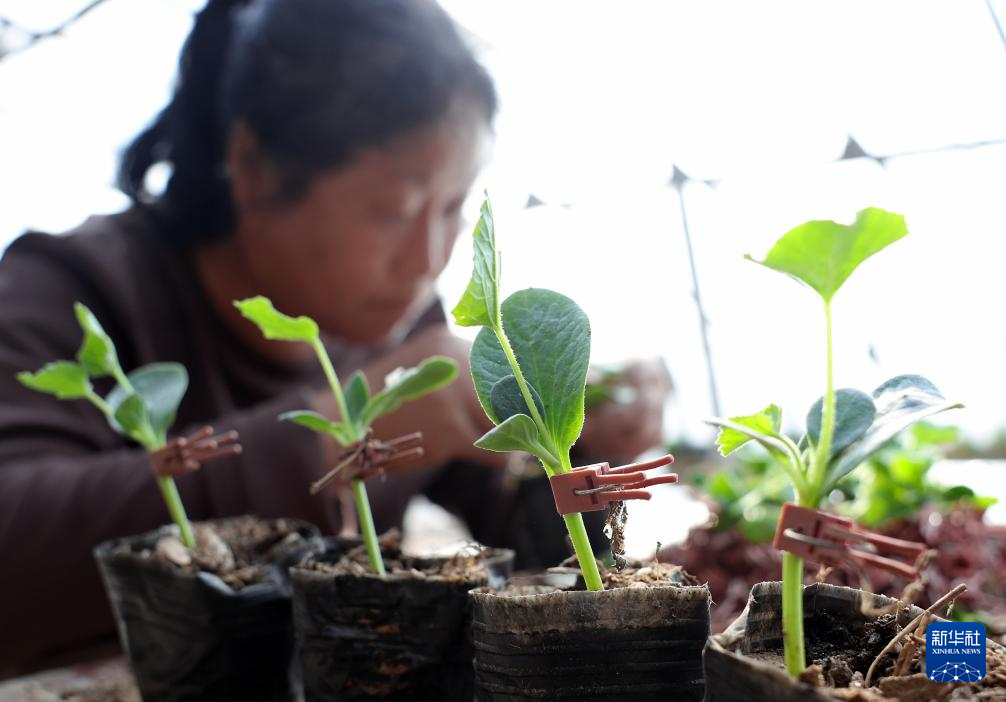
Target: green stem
[(581, 544), (820, 468), (177, 510), (333, 378), (367, 529), (792, 613)]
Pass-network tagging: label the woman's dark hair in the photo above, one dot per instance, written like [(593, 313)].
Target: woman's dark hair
[(315, 81)]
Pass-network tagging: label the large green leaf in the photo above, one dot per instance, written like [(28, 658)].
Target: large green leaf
[(901, 402), (550, 336), (823, 253), (480, 305), (161, 387), (357, 395), (97, 352), (765, 423), (517, 433), (342, 432), (507, 399), (64, 379), (407, 384), (276, 325), (854, 413)]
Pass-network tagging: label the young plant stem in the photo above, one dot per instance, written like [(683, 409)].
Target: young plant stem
[(363, 514), (820, 468), (367, 529), (792, 613), (169, 490), (581, 544)]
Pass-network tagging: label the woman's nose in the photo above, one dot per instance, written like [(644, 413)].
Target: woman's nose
[(427, 250)]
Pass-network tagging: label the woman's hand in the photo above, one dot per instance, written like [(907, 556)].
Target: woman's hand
[(451, 418), (625, 426)]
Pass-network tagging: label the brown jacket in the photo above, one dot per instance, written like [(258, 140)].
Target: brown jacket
[(68, 482)]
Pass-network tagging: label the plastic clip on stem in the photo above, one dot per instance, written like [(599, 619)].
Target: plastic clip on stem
[(594, 487), (370, 457), (832, 540)]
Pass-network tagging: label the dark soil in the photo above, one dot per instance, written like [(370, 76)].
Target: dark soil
[(239, 550), (467, 565)]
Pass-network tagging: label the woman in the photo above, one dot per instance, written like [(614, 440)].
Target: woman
[(320, 153)]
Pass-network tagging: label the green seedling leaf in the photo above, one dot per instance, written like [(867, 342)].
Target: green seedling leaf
[(409, 384), (64, 379), (342, 432), (480, 305), (854, 413), (506, 398), (517, 433), (550, 336), (357, 395), (765, 423), (901, 402), (161, 387), (132, 419), (823, 254), (97, 352), (276, 325)]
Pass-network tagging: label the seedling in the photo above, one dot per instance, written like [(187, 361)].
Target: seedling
[(141, 406), (845, 426), (529, 362), (358, 409)]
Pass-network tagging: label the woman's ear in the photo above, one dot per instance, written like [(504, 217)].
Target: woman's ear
[(253, 179)]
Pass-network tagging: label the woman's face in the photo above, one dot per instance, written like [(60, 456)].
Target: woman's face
[(360, 251)]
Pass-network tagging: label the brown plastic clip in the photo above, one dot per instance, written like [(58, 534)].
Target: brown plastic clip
[(831, 540), (594, 487), (186, 454), (367, 459)]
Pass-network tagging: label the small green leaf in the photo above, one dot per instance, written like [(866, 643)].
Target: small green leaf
[(357, 394), (507, 400), (162, 387), (854, 413), (517, 433), (480, 305), (408, 384), (342, 432), (276, 325), (97, 352), (765, 423), (64, 379), (901, 402), (550, 336), (133, 420), (823, 254)]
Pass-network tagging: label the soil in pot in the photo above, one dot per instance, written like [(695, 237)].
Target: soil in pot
[(639, 639), (213, 624), (405, 636), (845, 630)]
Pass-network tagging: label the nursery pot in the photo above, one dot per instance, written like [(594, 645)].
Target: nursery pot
[(736, 662), (190, 636), (630, 643), (405, 636)]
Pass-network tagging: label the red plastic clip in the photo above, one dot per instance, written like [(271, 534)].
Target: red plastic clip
[(831, 539), (186, 454), (593, 487), (367, 458)]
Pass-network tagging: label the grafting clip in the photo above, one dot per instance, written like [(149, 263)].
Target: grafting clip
[(831, 540), (368, 457), (594, 487), (186, 454)]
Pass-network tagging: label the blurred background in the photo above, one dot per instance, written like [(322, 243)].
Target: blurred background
[(642, 149)]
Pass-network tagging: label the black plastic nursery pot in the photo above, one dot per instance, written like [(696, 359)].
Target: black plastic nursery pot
[(191, 636), (627, 643), (745, 661), (405, 636)]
